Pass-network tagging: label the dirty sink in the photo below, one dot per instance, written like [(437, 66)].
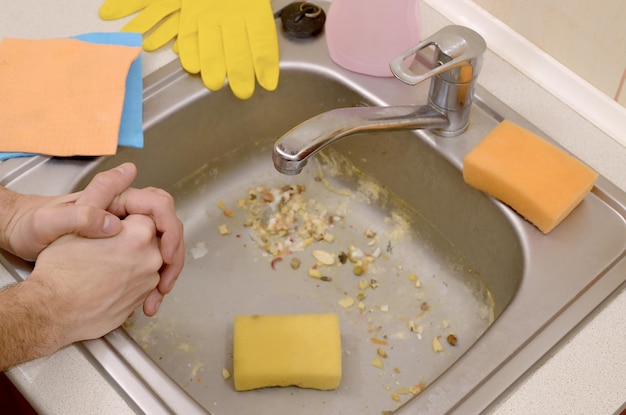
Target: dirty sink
[(456, 296)]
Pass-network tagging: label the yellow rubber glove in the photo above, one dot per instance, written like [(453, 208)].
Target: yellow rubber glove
[(159, 17), (234, 39)]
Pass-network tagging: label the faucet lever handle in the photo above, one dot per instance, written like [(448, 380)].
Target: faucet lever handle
[(459, 53)]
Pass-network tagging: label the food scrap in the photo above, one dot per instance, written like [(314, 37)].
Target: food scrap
[(437, 347), (294, 263), (416, 280), (346, 302), (275, 261), (199, 250), (358, 270), (315, 273), (323, 257), (363, 284), (451, 339), (379, 341), (226, 373), (283, 220), (415, 328), (377, 363)]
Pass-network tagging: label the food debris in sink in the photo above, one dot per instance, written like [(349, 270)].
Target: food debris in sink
[(328, 240)]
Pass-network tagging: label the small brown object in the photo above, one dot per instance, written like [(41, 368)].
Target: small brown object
[(451, 339)]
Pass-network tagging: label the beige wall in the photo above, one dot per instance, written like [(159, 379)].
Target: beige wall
[(587, 36)]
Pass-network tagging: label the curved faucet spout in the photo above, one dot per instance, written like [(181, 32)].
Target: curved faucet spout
[(447, 113), (292, 150)]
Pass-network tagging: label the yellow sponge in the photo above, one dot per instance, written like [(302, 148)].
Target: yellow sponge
[(301, 350), (537, 179)]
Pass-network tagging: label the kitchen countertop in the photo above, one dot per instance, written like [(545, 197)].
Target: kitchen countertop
[(585, 374)]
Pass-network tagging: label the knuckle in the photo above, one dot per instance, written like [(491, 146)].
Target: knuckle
[(162, 194), (84, 218), (144, 233), (102, 179), (154, 261), (154, 279), (140, 231), (144, 241)]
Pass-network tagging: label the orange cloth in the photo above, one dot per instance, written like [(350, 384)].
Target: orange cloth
[(62, 97)]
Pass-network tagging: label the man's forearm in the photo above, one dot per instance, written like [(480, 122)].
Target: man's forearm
[(26, 323)]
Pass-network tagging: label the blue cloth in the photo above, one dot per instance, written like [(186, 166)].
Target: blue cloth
[(131, 128)]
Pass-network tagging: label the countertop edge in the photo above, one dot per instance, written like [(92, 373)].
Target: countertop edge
[(69, 384)]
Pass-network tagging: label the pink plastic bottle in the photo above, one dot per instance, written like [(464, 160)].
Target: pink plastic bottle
[(364, 35)]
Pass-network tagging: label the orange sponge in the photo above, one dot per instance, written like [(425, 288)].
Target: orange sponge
[(537, 179)]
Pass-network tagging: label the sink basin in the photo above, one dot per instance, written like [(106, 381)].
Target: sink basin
[(444, 259)]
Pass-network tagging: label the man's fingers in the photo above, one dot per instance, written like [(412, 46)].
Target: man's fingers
[(87, 221), (111, 191), (159, 205), (152, 303), (107, 185), (171, 271)]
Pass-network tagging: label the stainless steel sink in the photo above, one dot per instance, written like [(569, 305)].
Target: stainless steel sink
[(505, 291)]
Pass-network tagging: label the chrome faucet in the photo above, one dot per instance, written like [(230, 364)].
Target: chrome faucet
[(458, 57)]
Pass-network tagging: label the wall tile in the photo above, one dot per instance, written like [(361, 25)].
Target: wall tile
[(588, 37)]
